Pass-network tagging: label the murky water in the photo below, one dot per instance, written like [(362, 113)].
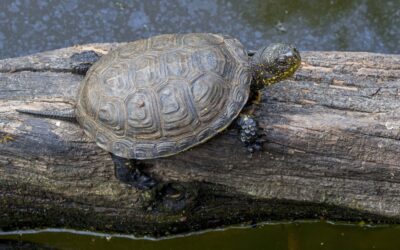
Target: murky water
[(28, 26), (287, 236)]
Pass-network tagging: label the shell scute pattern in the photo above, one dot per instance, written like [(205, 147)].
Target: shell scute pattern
[(89, 99), (142, 115), (185, 143), (112, 115), (147, 70), (229, 69), (208, 93), (242, 75), (177, 64), (144, 150), (201, 40), (131, 50), (205, 134), (176, 110), (237, 49), (104, 139), (165, 147), (159, 96), (164, 42), (116, 82), (123, 147)]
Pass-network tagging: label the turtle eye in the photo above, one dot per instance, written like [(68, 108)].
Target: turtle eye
[(286, 57), (282, 60)]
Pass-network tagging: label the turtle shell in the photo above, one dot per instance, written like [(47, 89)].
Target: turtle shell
[(159, 96)]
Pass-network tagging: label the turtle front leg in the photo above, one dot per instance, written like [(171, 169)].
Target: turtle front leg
[(129, 172), (248, 127), (248, 132)]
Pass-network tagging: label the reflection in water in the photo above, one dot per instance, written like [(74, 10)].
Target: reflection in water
[(28, 26), (331, 25), (279, 236), (293, 240), (22, 245)]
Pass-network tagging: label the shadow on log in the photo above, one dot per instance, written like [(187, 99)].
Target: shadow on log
[(331, 150)]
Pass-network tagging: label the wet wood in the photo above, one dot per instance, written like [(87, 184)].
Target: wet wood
[(332, 150)]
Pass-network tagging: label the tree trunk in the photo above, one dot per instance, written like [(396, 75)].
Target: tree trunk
[(331, 150)]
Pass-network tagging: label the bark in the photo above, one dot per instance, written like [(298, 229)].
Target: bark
[(331, 150)]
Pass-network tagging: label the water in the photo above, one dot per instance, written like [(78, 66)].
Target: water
[(29, 26), (287, 236)]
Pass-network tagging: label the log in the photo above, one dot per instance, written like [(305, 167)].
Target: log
[(331, 150)]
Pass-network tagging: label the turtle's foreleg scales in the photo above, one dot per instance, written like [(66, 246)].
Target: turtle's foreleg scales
[(128, 171), (248, 132), (248, 128)]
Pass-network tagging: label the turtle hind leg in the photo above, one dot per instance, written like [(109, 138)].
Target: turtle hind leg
[(68, 114), (129, 172), (248, 132), (81, 62)]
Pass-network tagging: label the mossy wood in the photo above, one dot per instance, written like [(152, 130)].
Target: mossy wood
[(332, 143)]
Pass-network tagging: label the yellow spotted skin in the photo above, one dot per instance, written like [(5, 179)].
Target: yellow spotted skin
[(6, 138), (281, 76), (270, 65), (265, 78), (260, 81)]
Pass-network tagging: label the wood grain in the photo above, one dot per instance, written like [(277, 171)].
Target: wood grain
[(331, 150)]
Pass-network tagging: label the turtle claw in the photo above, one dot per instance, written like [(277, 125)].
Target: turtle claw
[(254, 147), (142, 181)]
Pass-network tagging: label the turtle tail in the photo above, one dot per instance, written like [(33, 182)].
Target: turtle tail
[(68, 114)]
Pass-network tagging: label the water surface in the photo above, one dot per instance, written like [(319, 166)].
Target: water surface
[(28, 26), (285, 236)]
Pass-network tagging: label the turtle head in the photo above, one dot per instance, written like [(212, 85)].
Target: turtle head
[(274, 63)]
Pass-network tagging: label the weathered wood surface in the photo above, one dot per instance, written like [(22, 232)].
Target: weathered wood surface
[(331, 149)]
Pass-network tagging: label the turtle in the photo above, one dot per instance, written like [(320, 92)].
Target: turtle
[(159, 96)]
